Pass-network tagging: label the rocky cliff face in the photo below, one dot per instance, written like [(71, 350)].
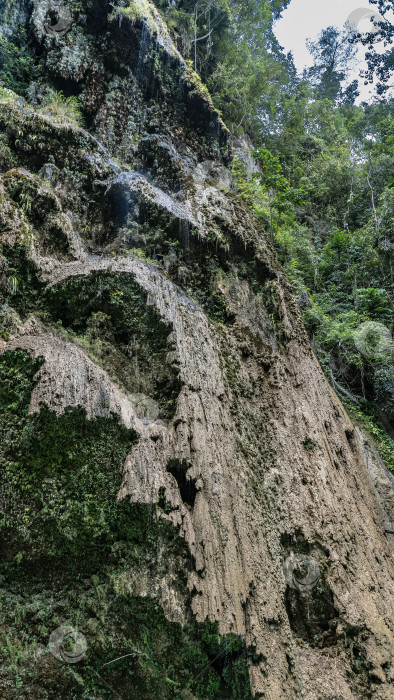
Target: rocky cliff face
[(180, 484)]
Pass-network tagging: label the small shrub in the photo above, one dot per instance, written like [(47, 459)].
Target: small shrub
[(59, 107), (308, 445)]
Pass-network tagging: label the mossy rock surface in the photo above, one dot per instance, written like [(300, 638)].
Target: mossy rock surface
[(72, 555)]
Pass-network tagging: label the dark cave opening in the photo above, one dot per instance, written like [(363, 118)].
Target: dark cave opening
[(178, 469)]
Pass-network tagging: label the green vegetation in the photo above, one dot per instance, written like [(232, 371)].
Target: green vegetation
[(45, 460), (145, 11), (16, 63), (59, 107), (72, 554), (308, 445), (324, 193), (334, 235), (107, 315), (232, 47), (20, 287)]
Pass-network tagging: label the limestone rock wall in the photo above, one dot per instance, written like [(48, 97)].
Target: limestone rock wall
[(259, 463)]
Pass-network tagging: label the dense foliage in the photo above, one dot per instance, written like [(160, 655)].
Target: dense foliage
[(336, 241), (380, 61)]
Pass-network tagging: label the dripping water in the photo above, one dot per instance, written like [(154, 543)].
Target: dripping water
[(218, 132), (184, 234), (143, 52)]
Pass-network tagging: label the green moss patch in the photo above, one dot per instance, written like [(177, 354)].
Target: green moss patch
[(20, 287), (109, 314), (60, 474), (72, 555)]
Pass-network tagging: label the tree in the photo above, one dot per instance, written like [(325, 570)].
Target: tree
[(333, 55), (251, 70), (233, 48), (380, 63), (199, 25)]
